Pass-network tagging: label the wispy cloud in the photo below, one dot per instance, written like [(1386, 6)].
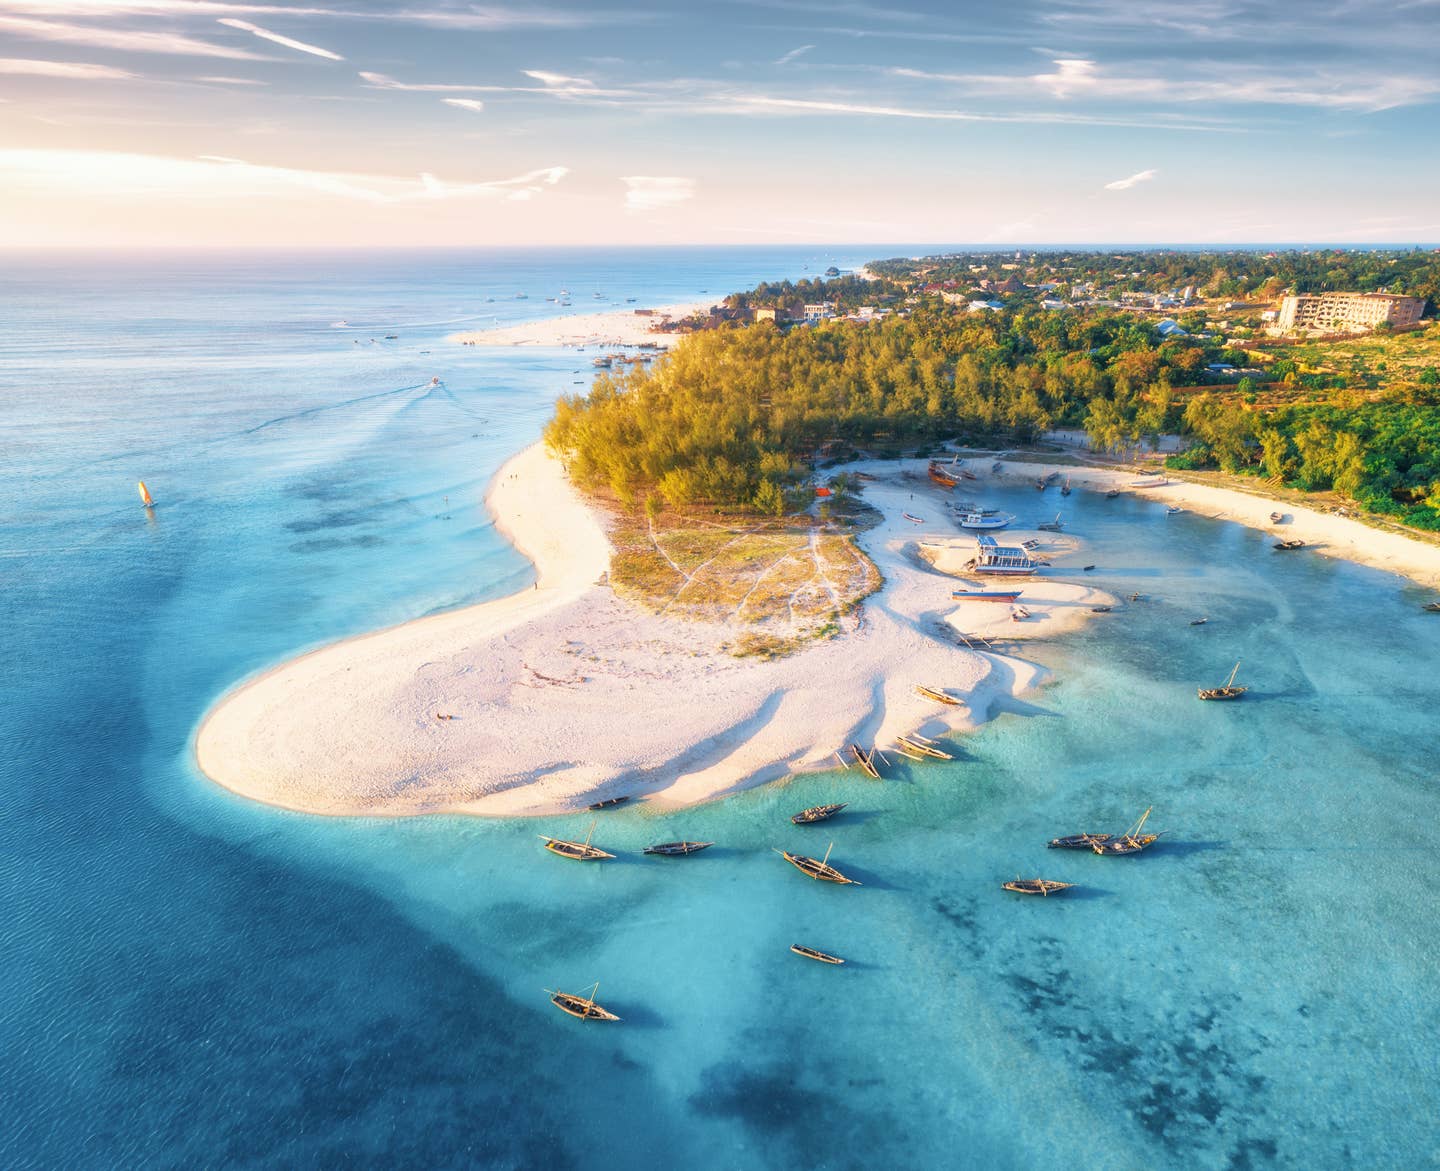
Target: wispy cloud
[(125, 40), (790, 56), (67, 69), (653, 192), (266, 35), (473, 104), (1130, 180), (213, 177)]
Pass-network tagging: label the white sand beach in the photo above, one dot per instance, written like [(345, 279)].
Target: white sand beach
[(1324, 533), (564, 694), (605, 327)]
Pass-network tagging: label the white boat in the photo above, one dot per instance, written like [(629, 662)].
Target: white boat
[(1003, 560), (985, 519)]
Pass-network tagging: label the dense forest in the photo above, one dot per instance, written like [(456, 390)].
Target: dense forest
[(738, 416)]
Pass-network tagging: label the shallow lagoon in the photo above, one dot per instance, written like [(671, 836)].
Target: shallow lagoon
[(195, 979)]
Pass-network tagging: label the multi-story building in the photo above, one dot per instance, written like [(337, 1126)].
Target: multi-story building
[(1339, 312)]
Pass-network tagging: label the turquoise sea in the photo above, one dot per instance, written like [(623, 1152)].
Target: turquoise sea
[(189, 979)]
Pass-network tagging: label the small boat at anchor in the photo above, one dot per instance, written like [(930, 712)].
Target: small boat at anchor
[(1114, 492), (677, 849), (1101, 609), (984, 519), (937, 695), (819, 869), (1065, 488), (1286, 546), (1226, 691), (583, 1007), (1076, 841), (1051, 526), (811, 953), (146, 500), (579, 851), (1036, 886), (1431, 607), (608, 803), (1198, 621), (1132, 841), (817, 813)]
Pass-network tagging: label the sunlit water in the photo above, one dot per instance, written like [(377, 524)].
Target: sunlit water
[(193, 980)]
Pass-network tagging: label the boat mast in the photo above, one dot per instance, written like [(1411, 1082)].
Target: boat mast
[(1231, 681), (825, 861), (589, 835)]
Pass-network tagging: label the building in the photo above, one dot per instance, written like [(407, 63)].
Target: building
[(1341, 312), (820, 311), (765, 314)]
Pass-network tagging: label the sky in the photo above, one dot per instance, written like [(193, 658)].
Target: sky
[(185, 123)]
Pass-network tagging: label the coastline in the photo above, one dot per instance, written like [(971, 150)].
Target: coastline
[(553, 690), (605, 327), (1323, 533)]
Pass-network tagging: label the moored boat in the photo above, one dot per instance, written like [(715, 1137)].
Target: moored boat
[(940, 476), (866, 761), (981, 520), (1286, 546), (914, 520), (583, 1007), (1036, 886), (608, 803), (677, 849), (579, 851), (985, 595), (1432, 607), (817, 868), (1114, 492), (146, 500), (817, 813), (1003, 560), (1132, 841), (1076, 841), (1051, 526), (1065, 488), (811, 953), (924, 746), (1227, 691), (1276, 518)]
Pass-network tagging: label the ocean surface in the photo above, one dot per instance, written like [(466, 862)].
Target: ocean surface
[(190, 979)]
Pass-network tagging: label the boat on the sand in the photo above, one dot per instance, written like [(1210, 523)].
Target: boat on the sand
[(817, 813), (677, 849), (583, 1007), (1132, 841), (609, 802), (817, 868), (924, 746), (1228, 690), (1036, 886), (1276, 518), (579, 851), (811, 953), (936, 694), (866, 761), (985, 595), (939, 475)]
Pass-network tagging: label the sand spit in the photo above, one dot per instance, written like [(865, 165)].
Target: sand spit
[(607, 327), (564, 694)]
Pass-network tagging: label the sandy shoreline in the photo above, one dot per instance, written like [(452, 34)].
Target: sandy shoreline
[(601, 327), (564, 694), (1323, 533)]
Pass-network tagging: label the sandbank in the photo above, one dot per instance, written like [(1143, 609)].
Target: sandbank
[(603, 327)]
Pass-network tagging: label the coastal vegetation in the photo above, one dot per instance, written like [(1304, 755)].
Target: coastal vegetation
[(739, 418)]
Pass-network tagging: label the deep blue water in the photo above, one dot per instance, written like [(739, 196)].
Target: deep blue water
[(190, 979)]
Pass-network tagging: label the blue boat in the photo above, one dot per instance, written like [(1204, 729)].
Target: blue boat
[(1003, 560)]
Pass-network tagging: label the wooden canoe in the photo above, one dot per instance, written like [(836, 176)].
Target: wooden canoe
[(817, 868), (811, 953), (1036, 886), (677, 849), (583, 1007), (817, 813)]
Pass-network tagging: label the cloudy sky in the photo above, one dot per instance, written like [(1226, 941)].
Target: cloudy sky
[(128, 122)]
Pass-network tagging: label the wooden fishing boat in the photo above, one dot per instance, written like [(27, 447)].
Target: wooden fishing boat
[(811, 954), (1039, 484), (819, 869), (1114, 492), (1286, 546), (146, 500), (1051, 526), (677, 849), (1132, 841), (914, 520), (940, 476), (1101, 609), (1227, 691), (583, 1007), (1432, 607), (1065, 489), (608, 803), (1276, 518), (1036, 886), (985, 595), (817, 813), (924, 746), (937, 695), (909, 754), (1076, 841), (1173, 510), (1086, 568), (866, 761), (996, 466), (1198, 621), (579, 851), (1019, 614)]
